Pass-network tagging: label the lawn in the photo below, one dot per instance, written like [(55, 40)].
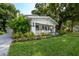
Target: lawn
[(63, 45)]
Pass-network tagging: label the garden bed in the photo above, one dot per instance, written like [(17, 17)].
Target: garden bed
[(29, 39), (29, 36)]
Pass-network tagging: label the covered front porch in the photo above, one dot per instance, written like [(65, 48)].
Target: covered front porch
[(39, 28)]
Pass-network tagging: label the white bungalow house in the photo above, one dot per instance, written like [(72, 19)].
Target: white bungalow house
[(42, 24)]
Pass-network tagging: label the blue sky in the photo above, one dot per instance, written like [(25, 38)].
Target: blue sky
[(25, 8)]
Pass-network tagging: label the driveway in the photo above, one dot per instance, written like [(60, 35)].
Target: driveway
[(5, 41)]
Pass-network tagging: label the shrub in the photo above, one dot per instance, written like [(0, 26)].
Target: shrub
[(62, 32), (29, 35), (49, 35), (20, 24), (67, 29), (1, 32), (16, 35), (42, 35)]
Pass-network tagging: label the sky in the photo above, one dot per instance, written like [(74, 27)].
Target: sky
[(25, 8)]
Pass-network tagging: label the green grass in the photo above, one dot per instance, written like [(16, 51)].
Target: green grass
[(64, 45)]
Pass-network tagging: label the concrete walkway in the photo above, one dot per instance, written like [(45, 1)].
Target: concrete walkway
[(5, 41)]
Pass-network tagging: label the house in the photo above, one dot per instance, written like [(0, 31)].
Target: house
[(41, 24), (76, 28)]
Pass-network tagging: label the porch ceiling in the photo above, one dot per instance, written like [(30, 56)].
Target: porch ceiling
[(45, 24)]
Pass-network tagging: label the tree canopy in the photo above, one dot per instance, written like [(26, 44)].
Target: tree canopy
[(7, 12)]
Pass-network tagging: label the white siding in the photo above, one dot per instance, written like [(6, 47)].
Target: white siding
[(41, 21), (33, 29)]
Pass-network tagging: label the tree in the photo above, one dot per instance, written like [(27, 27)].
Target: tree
[(41, 9), (73, 12), (7, 12), (20, 24)]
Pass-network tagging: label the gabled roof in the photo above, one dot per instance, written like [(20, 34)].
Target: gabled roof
[(36, 16), (44, 17)]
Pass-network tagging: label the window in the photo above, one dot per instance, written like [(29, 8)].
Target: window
[(33, 24), (48, 28), (45, 27), (42, 27), (37, 27)]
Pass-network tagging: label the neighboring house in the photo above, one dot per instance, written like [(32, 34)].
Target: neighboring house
[(41, 24), (76, 28)]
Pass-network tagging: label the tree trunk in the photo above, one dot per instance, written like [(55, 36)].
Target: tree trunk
[(72, 24), (59, 26), (4, 23)]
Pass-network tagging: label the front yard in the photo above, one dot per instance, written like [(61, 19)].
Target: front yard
[(67, 44)]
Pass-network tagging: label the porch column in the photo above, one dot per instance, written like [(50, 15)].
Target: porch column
[(54, 30), (33, 28)]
